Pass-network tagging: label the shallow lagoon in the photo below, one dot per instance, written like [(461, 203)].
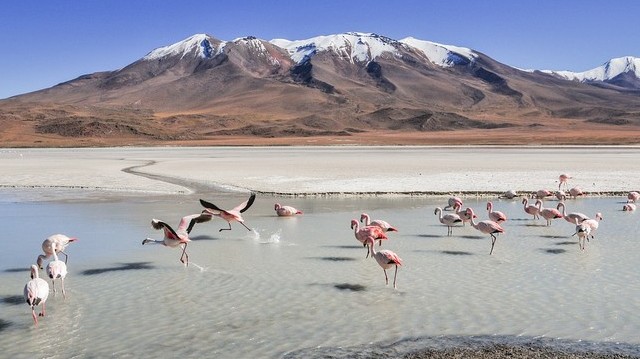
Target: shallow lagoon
[(304, 282)]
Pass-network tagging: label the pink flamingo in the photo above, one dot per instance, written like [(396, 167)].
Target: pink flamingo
[(486, 227), (629, 207), (573, 216), (510, 194), (386, 259), (57, 269), (180, 237), (232, 215), (448, 219), (633, 197), (286, 211), (367, 232), (576, 192), (464, 215), (541, 193), (377, 222), (36, 292), (495, 216), (61, 241), (563, 179), (593, 223), (531, 209), (452, 202), (548, 214), (560, 195)]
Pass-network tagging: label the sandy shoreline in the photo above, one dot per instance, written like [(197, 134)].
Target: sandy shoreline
[(353, 170)]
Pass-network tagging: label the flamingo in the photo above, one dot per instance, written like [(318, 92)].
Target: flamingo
[(448, 219), (495, 216), (548, 214), (563, 179), (386, 259), (571, 217), (633, 197), (583, 231), (531, 209), (36, 292), (560, 195), (464, 215), (541, 193), (180, 237), (452, 202), (57, 269), (629, 207), (366, 232), (286, 211), (510, 194), (575, 192), (377, 222), (61, 241), (486, 227), (593, 223), (232, 215)]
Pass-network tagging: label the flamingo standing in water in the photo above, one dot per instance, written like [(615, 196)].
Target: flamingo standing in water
[(232, 215), (448, 219), (452, 202), (36, 292), (386, 259), (464, 215), (173, 238), (548, 214), (593, 223), (495, 216), (531, 209), (541, 193), (633, 197), (560, 195), (629, 207), (563, 179), (377, 222), (583, 231), (61, 241), (374, 233), (487, 227), (286, 211), (57, 269), (575, 192), (572, 216), (510, 194)]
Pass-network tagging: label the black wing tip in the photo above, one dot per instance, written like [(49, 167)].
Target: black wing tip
[(252, 198)]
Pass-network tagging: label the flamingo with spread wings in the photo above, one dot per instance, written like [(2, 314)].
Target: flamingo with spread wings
[(231, 215), (174, 238)]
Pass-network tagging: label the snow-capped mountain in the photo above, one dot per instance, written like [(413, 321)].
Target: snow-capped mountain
[(606, 72)]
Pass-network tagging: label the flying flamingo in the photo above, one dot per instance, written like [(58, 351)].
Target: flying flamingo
[(583, 231), (36, 292), (452, 202), (563, 179), (571, 217), (232, 215), (464, 215), (495, 216), (61, 241), (531, 209), (633, 197), (575, 192), (386, 259), (486, 227), (374, 233), (377, 222), (180, 237), (448, 219), (629, 207), (548, 214), (286, 211), (593, 223), (57, 269)]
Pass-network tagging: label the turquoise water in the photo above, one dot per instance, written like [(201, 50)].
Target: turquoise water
[(304, 282)]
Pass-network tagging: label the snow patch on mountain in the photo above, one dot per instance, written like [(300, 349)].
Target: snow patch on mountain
[(442, 55), (607, 71), (199, 44)]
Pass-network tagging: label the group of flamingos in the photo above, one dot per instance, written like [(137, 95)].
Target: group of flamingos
[(36, 291)]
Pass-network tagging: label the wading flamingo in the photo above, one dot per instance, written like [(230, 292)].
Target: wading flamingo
[(386, 259), (57, 269), (374, 233), (563, 179), (377, 222), (593, 223), (629, 207), (36, 292), (286, 211), (530, 209), (541, 193), (573, 216), (510, 194), (61, 241), (548, 214), (448, 219), (487, 227), (452, 202), (495, 216), (232, 215), (575, 192), (633, 197), (583, 231), (464, 215), (560, 195), (180, 237)]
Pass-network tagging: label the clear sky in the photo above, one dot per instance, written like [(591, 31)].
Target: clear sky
[(47, 42)]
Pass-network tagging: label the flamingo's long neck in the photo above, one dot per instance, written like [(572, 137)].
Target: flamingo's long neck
[(55, 255), (367, 220)]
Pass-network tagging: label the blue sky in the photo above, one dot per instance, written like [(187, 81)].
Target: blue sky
[(47, 42)]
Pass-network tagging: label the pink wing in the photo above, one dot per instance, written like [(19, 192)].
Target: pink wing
[(391, 256)]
